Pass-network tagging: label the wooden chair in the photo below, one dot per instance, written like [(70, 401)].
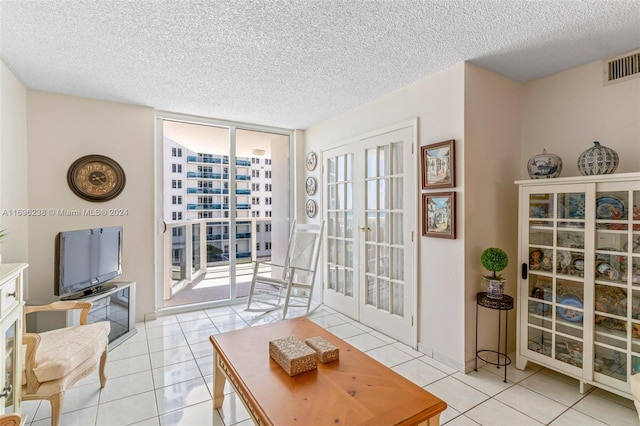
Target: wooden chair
[(295, 283), (55, 360), (10, 420)]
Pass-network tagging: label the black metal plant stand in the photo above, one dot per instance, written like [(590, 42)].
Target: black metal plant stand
[(503, 304)]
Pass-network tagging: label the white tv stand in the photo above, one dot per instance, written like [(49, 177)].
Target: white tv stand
[(116, 305)]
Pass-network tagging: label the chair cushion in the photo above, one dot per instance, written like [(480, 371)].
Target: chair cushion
[(62, 350)]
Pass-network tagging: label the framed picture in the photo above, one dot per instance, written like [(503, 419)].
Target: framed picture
[(438, 165), (439, 215)]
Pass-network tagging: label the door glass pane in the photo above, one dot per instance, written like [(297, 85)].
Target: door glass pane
[(397, 296), (396, 159), (371, 291), (371, 163), (397, 228), (349, 167), (383, 153), (341, 168), (397, 264), (371, 258), (396, 193), (383, 294), (383, 228), (341, 204), (331, 165), (349, 283), (371, 195), (384, 261), (383, 202)]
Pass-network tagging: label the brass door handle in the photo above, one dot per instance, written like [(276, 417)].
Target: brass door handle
[(364, 228)]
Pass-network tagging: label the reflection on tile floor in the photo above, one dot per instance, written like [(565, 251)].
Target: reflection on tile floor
[(163, 376)]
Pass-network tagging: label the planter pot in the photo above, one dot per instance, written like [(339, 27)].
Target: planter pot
[(495, 287)]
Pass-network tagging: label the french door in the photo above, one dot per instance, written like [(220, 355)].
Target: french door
[(370, 208)]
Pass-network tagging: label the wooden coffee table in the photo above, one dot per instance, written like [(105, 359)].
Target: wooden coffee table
[(354, 390)]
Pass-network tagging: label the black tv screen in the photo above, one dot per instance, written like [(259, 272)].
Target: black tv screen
[(85, 259)]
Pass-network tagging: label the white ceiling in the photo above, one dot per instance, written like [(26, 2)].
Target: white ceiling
[(294, 63)]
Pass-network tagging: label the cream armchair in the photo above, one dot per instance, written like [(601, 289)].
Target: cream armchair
[(54, 360)]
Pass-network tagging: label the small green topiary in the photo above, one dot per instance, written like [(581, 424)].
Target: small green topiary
[(494, 260)]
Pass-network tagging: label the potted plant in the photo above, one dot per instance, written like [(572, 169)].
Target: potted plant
[(495, 260)]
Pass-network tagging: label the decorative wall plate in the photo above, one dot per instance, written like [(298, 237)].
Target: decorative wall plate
[(571, 314), (609, 207), (312, 161), (311, 185), (311, 208)]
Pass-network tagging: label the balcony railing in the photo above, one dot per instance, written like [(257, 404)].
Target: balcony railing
[(216, 160), (190, 251), (216, 191)]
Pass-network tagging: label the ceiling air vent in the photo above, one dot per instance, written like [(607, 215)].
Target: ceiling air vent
[(621, 68)]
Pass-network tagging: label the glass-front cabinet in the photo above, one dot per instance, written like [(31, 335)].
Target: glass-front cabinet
[(10, 336), (579, 285)]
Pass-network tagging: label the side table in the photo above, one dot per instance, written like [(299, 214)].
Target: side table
[(503, 304)]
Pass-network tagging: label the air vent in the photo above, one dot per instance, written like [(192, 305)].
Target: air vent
[(622, 68)]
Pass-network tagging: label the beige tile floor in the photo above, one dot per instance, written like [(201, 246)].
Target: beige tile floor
[(163, 376)]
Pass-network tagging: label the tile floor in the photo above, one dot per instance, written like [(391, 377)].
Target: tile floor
[(163, 376)]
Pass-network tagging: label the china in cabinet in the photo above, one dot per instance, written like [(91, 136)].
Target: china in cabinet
[(11, 302), (579, 284)]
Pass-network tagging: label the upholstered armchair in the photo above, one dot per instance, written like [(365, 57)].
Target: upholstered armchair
[(55, 360)]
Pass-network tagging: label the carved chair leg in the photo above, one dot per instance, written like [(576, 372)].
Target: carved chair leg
[(56, 408), (103, 362)]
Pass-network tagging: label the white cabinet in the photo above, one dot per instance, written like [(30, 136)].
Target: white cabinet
[(11, 302), (579, 284)]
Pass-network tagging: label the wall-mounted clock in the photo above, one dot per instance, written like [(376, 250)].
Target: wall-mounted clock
[(96, 178)]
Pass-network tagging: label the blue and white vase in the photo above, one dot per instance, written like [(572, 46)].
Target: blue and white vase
[(544, 166), (598, 160)]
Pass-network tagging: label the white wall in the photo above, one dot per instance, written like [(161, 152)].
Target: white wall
[(492, 133), (438, 102), (13, 166), (64, 128), (567, 111)]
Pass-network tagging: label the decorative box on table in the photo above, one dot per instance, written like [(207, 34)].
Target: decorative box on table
[(292, 355), (325, 351)]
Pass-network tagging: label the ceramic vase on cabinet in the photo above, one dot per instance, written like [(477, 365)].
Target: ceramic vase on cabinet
[(544, 166), (598, 160)]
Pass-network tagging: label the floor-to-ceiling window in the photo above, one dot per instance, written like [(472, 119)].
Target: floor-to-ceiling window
[(225, 191)]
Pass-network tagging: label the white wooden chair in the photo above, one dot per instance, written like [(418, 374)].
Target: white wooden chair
[(295, 284), (55, 360)]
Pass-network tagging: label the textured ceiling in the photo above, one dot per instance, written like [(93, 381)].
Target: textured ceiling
[(294, 63)]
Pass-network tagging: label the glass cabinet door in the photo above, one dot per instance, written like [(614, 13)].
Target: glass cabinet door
[(8, 383), (556, 250), (617, 285)]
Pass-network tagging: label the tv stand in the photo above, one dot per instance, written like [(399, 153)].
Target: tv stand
[(115, 303), (91, 291)]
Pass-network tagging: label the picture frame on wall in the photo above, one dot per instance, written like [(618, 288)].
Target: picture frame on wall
[(439, 215), (438, 165)]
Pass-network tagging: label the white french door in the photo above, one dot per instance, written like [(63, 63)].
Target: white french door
[(370, 213)]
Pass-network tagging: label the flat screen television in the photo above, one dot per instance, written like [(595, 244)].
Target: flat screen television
[(85, 260)]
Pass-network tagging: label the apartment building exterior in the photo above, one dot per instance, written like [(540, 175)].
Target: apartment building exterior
[(198, 187)]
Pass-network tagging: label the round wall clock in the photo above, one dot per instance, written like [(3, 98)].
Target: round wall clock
[(312, 161), (96, 178)]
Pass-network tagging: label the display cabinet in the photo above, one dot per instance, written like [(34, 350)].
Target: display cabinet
[(11, 302), (579, 285)]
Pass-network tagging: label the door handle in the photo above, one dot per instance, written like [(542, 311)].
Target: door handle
[(6, 391), (364, 228)]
